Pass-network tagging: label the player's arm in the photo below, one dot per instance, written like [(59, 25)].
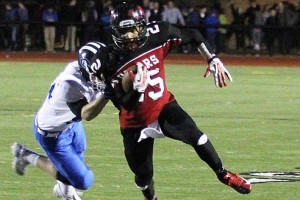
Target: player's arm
[(194, 36), (133, 84), (88, 111), (126, 100), (215, 65), (94, 108)]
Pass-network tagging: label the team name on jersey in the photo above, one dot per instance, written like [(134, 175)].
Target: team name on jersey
[(148, 62)]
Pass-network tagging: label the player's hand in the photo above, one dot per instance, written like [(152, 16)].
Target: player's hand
[(140, 78), (220, 73), (108, 91)]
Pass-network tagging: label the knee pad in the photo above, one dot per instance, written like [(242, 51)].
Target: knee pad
[(143, 185), (148, 190), (202, 140), (143, 177)]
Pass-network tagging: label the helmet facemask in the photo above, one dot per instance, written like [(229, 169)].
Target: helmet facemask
[(97, 83), (94, 77), (129, 27)]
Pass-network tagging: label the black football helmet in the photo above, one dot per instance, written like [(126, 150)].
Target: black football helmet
[(126, 18), (93, 58)]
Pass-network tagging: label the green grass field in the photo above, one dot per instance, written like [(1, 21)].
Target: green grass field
[(254, 125)]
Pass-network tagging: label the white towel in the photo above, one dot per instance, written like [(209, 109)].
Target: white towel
[(153, 131)]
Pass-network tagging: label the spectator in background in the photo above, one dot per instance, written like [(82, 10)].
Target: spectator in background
[(203, 15), (287, 18), (11, 16), (283, 36), (23, 16), (71, 17), (146, 5), (271, 33), (50, 16), (60, 28), (293, 22), (194, 21), (237, 26), (89, 16), (38, 30), (256, 33), (265, 15), (212, 22), (105, 18), (2, 28), (297, 31), (221, 37), (155, 13), (172, 14), (185, 11), (250, 20)]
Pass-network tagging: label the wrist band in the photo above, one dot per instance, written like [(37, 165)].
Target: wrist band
[(209, 61)]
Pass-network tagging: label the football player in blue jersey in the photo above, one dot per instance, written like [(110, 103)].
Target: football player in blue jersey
[(77, 93)]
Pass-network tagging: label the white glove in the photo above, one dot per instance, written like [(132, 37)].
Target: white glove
[(141, 78), (220, 73)]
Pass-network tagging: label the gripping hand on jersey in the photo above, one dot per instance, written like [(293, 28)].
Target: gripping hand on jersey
[(220, 73), (141, 78), (108, 91)]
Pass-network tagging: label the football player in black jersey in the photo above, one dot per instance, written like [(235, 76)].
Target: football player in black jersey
[(155, 111)]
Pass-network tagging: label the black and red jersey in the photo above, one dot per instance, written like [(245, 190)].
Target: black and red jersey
[(162, 39)]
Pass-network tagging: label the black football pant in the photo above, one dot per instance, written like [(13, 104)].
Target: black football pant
[(175, 123)]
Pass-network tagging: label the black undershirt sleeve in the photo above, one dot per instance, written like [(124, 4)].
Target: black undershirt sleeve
[(77, 106), (194, 36), (126, 100), (188, 36)]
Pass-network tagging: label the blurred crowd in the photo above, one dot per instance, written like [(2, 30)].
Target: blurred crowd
[(65, 25)]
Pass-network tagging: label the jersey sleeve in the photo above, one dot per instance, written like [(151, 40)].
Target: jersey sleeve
[(79, 90), (68, 91), (71, 88), (194, 36), (77, 106), (170, 36), (178, 36), (173, 37)]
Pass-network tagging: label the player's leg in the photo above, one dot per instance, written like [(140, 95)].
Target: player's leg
[(23, 157), (139, 157), (68, 149), (177, 124), (66, 153)]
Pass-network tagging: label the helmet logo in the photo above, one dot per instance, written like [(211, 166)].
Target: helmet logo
[(85, 63), (128, 22), (96, 66)]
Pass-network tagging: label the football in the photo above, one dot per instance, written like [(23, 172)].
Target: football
[(127, 83)]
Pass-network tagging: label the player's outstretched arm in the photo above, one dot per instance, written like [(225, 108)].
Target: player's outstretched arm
[(215, 66)]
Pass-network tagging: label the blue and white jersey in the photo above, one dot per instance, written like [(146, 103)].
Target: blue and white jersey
[(70, 86)]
